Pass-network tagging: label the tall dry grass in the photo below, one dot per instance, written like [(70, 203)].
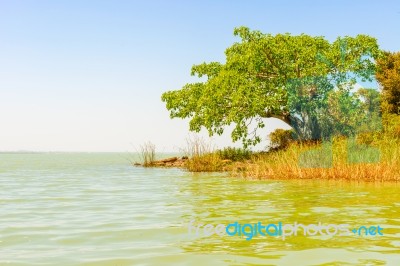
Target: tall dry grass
[(347, 160), (147, 154), (202, 155)]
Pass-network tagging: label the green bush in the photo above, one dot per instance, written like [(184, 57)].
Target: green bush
[(280, 139), (234, 154)]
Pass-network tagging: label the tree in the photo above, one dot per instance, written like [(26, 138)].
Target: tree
[(388, 75), (283, 76), (350, 113), (371, 110)]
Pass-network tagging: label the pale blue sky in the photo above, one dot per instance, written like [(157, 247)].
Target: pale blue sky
[(88, 75)]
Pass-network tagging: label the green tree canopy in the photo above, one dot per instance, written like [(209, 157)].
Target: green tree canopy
[(283, 76)]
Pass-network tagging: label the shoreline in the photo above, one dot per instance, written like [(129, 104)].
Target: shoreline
[(378, 162)]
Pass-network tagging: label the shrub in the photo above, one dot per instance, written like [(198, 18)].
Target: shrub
[(234, 154), (367, 138), (280, 139), (391, 125)]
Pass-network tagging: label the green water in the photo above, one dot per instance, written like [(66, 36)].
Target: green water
[(95, 209)]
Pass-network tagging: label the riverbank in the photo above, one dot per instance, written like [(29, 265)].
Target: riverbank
[(365, 158)]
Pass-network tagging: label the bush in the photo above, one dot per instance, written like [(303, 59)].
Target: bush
[(391, 125), (280, 139), (368, 138), (234, 154)]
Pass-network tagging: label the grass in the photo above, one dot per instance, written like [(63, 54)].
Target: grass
[(202, 155), (368, 157), (148, 154), (345, 159), (365, 158), (340, 159), (375, 158)]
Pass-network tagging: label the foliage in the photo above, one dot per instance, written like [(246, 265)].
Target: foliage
[(370, 120), (264, 76), (348, 114), (391, 125), (280, 138), (368, 138), (388, 75), (234, 154)]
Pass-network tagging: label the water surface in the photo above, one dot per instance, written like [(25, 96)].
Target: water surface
[(96, 209)]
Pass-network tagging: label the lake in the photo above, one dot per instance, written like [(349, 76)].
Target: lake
[(97, 209)]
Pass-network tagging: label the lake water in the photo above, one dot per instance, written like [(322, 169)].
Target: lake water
[(96, 209)]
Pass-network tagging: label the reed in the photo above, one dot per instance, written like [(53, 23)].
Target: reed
[(341, 159), (147, 154), (202, 155)]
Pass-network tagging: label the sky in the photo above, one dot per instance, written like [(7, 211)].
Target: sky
[(88, 75)]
